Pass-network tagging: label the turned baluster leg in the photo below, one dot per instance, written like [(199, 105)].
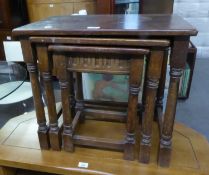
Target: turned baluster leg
[(136, 68), (177, 64), (79, 95), (65, 80), (46, 69), (153, 76), (144, 85), (35, 85)]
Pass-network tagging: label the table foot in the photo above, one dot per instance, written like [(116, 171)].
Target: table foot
[(55, 137), (43, 136), (68, 142)]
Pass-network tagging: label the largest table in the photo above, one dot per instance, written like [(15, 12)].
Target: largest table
[(169, 27)]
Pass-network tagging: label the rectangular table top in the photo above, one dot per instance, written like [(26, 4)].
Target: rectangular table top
[(115, 25)]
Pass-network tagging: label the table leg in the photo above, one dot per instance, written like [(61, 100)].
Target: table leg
[(177, 64), (35, 85), (144, 85), (72, 93), (153, 76), (134, 86), (79, 95), (160, 92), (7, 171), (65, 80), (45, 69)]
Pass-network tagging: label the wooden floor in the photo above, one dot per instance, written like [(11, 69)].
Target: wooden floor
[(19, 148)]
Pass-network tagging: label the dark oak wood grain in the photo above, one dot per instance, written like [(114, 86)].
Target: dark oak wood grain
[(102, 41), (134, 57), (117, 25), (152, 83), (64, 78), (178, 61), (79, 37), (45, 69), (13, 14), (31, 61), (160, 93), (105, 7), (155, 7), (135, 77)]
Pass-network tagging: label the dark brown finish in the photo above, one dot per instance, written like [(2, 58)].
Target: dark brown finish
[(105, 7), (103, 50), (156, 7), (106, 115), (13, 14), (98, 64), (99, 142), (5, 16), (135, 57), (145, 7), (191, 59), (38, 103), (152, 82), (111, 25), (3, 37), (180, 46), (166, 7), (76, 120), (79, 94), (60, 67), (8, 171), (135, 77), (132, 27), (101, 41), (45, 69), (160, 93)]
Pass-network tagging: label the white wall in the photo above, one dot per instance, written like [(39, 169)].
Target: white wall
[(197, 13)]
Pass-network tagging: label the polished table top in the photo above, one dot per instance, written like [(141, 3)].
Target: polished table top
[(134, 24)]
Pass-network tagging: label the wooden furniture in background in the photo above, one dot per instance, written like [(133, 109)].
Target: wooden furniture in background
[(12, 14), (4, 34), (145, 6), (156, 7), (178, 32), (105, 7), (41, 9), (16, 152)]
